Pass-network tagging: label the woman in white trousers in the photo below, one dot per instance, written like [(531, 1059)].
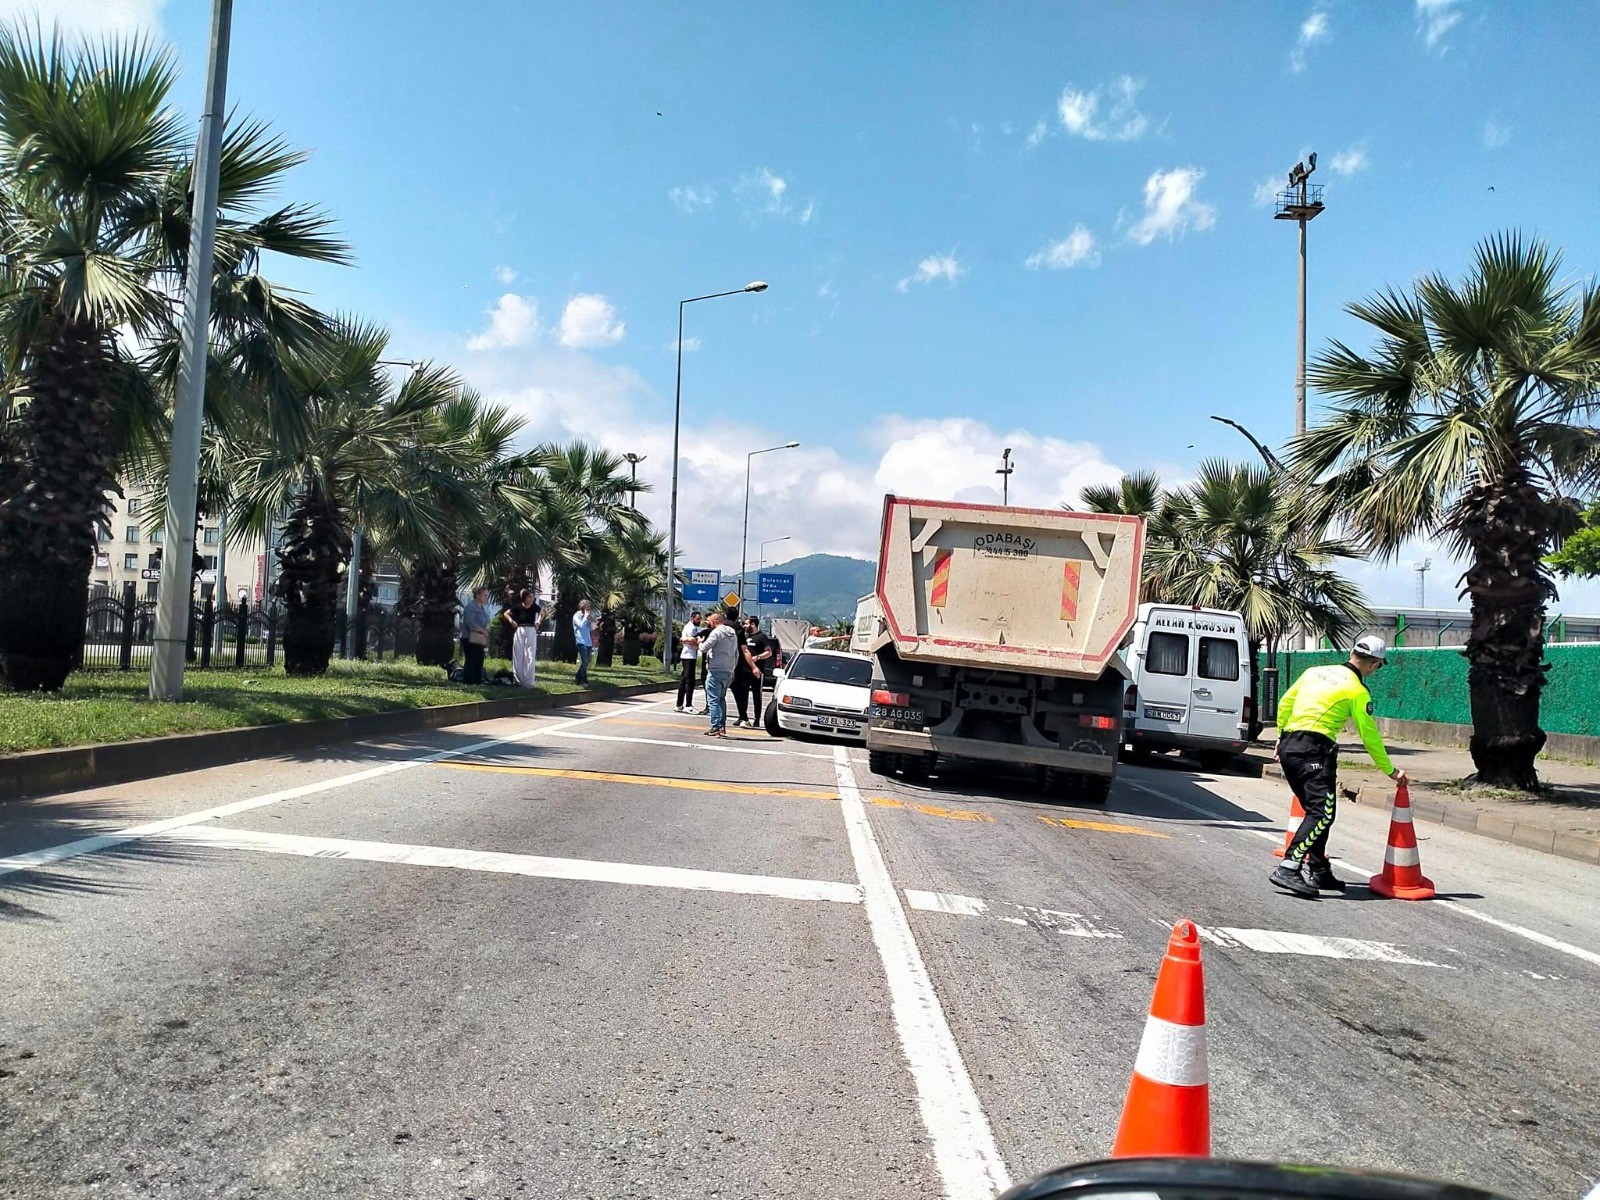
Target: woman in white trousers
[(523, 617)]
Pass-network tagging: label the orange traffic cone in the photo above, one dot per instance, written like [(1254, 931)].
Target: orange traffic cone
[(1297, 813), (1168, 1110), (1402, 877)]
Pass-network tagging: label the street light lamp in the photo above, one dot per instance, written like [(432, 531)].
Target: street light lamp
[(633, 461), (757, 285), (1004, 471), (744, 537)]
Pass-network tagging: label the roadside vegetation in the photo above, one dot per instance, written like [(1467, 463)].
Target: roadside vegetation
[(109, 706)]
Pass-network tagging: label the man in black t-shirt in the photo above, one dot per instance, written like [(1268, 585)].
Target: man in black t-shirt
[(747, 683)]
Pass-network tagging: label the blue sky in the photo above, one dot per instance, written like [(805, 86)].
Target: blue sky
[(1026, 225)]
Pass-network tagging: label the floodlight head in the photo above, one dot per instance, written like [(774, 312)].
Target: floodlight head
[(1312, 159), (758, 285)]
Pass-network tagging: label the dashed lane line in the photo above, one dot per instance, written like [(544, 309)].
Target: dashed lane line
[(132, 833), (1066, 923), (538, 866)]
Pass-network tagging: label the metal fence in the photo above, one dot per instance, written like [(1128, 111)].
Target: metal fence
[(119, 632)]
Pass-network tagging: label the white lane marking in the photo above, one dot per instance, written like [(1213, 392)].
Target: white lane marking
[(1272, 941), (946, 902), (1442, 902), (637, 874), (1532, 935), (716, 746), (60, 853), (1272, 835), (964, 1148), (1069, 924), (1172, 1054)]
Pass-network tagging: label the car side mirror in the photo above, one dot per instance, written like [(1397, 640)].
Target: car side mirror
[(779, 675), (1220, 1179)]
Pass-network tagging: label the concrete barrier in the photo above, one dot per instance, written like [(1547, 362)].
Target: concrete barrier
[(42, 772)]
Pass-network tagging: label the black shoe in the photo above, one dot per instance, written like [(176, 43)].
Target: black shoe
[(1321, 877), (1289, 879)]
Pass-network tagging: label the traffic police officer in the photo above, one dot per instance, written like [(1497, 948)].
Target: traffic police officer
[(1310, 716)]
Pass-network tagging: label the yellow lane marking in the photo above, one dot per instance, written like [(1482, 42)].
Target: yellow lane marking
[(929, 810), (685, 785), (1100, 826)]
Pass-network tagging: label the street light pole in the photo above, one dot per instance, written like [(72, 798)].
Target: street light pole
[(677, 425), (633, 477), (1004, 472), (744, 537), (173, 610), (1300, 203)]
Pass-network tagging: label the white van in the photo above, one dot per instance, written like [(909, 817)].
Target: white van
[(1189, 688)]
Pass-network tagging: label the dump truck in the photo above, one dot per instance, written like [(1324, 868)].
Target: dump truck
[(995, 635)]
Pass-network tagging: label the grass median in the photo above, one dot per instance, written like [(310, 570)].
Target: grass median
[(113, 706)]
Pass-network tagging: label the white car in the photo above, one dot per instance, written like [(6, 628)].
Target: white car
[(822, 692)]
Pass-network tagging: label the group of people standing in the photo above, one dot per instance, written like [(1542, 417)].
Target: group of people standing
[(733, 656), (523, 618)]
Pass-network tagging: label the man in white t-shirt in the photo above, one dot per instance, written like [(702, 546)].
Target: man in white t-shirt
[(688, 660)]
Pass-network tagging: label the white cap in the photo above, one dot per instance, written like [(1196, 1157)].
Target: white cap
[(1372, 646)]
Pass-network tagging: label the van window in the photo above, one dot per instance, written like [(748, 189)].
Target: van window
[(1167, 654), (1219, 658)]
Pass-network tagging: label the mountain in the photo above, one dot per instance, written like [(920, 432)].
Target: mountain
[(826, 586)]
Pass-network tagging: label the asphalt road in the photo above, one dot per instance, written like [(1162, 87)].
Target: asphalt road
[(592, 954)]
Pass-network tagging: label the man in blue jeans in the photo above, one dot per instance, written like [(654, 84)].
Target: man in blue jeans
[(721, 648), (583, 634)]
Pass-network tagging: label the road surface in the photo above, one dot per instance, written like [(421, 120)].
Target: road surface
[(594, 954)]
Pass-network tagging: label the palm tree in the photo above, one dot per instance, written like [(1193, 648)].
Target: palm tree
[(1137, 494), (94, 169), (369, 453), (1471, 420)]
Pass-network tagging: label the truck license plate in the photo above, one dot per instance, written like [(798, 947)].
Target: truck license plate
[(836, 722), (1163, 714), (898, 716)]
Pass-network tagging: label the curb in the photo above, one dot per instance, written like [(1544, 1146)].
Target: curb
[(1584, 847), (41, 772)]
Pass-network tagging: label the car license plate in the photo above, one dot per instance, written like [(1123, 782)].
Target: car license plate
[(837, 722), (1163, 714)]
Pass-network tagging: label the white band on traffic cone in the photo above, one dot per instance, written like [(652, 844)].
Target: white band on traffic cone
[(1172, 1054)]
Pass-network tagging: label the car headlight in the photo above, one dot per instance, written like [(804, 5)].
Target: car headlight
[(795, 701)]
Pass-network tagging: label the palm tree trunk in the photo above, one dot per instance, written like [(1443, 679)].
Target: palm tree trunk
[(606, 649), (58, 463), (564, 645), (1505, 521), (309, 585), (435, 605)]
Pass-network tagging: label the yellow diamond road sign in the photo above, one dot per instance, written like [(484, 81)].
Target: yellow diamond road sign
[(731, 599)]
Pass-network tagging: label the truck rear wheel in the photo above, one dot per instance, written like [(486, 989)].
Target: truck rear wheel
[(916, 767), (1094, 789), (881, 762), (1072, 787)]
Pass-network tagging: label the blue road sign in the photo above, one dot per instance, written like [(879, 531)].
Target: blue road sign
[(702, 587), (775, 589)]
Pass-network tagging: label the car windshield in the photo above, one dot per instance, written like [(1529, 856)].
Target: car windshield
[(827, 669)]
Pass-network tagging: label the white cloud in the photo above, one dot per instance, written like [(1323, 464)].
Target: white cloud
[(1170, 207), (589, 321), (1349, 162), (513, 321), (1037, 134), (763, 192), (691, 199), (942, 266), (1080, 248), (690, 345), (1120, 121), (1435, 18), (1267, 191), (809, 211), (505, 276), (1495, 135), (86, 16), (1312, 30)]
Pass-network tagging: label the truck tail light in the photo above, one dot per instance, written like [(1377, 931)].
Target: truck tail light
[(1090, 721), (892, 699)]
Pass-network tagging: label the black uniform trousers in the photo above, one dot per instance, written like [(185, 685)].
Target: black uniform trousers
[(1310, 767), (686, 670), (744, 685)]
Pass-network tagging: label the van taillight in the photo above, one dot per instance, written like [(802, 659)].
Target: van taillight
[(1089, 721), (892, 699), (1130, 699)]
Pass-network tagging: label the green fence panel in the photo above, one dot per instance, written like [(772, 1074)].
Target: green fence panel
[(1431, 685)]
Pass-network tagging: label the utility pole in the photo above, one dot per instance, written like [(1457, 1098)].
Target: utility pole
[(174, 604), (1004, 471), (1422, 568), (1300, 202)]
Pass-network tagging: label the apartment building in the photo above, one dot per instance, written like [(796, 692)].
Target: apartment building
[(128, 546)]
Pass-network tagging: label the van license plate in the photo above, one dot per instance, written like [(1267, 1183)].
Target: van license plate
[(1163, 714)]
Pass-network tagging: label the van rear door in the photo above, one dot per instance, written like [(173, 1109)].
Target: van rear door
[(1165, 690), (1219, 685)]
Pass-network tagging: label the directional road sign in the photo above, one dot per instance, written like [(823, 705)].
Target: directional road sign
[(775, 589), (701, 587)]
